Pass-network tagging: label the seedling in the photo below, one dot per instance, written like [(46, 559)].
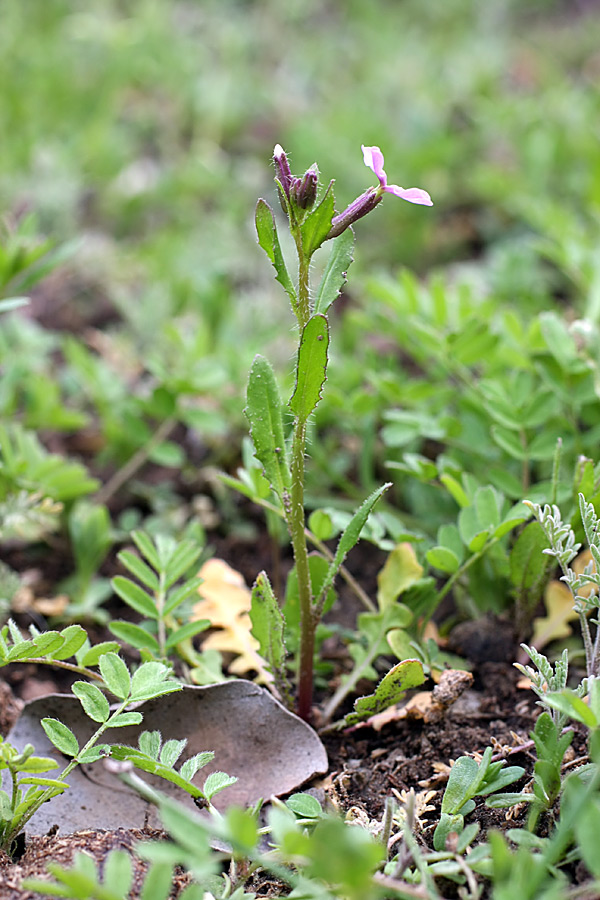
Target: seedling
[(160, 566), (584, 587), (469, 779)]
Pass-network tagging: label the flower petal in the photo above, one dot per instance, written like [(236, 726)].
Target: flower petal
[(413, 195), (373, 158)]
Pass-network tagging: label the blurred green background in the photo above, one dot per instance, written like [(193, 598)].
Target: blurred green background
[(144, 129)]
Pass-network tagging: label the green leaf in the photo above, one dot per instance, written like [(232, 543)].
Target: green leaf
[(217, 781), (93, 754), (139, 568), (487, 505), (171, 751), (134, 635), (455, 489), (268, 239), (317, 224), (135, 596), (558, 340), (146, 547), (305, 806), (61, 736), (195, 763), (311, 367), (115, 674), (400, 572), (351, 534), (45, 782), (264, 412), (125, 719), (91, 656), (527, 559), (461, 782), (182, 559), (443, 559), (571, 705), (391, 689), (509, 441), (185, 632), (268, 626), (92, 699), (181, 593), (336, 270), (48, 642), (147, 677), (118, 873), (149, 743)]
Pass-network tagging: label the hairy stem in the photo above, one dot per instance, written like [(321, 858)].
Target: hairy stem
[(296, 516)]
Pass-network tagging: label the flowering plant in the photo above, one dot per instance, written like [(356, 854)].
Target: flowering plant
[(311, 223)]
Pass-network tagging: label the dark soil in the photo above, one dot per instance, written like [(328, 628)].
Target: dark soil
[(366, 766)]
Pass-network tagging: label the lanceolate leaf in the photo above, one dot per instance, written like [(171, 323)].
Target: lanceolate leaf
[(336, 270), (311, 369), (268, 629), (266, 230), (134, 596), (317, 225), (266, 425), (404, 675), (351, 534)]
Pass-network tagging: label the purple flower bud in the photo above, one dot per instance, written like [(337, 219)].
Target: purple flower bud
[(357, 209), (304, 190), (282, 169)]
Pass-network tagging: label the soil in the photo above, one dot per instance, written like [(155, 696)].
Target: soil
[(366, 766)]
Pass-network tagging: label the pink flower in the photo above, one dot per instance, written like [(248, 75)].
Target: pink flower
[(374, 160)]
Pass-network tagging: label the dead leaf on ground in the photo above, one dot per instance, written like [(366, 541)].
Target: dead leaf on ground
[(225, 601), (559, 612), (269, 749)]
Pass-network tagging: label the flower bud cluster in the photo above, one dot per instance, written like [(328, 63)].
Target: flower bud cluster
[(300, 192)]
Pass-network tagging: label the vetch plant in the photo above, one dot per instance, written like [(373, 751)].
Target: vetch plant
[(312, 222), (159, 567), (149, 681)]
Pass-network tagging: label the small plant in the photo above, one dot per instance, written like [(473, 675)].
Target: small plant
[(311, 224), (150, 680), (162, 564), (584, 587), (469, 779)]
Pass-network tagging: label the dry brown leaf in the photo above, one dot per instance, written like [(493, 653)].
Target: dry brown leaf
[(559, 608), (578, 566), (225, 602)]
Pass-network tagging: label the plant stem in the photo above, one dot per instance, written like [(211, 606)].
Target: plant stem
[(51, 792), (70, 667), (296, 517)]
